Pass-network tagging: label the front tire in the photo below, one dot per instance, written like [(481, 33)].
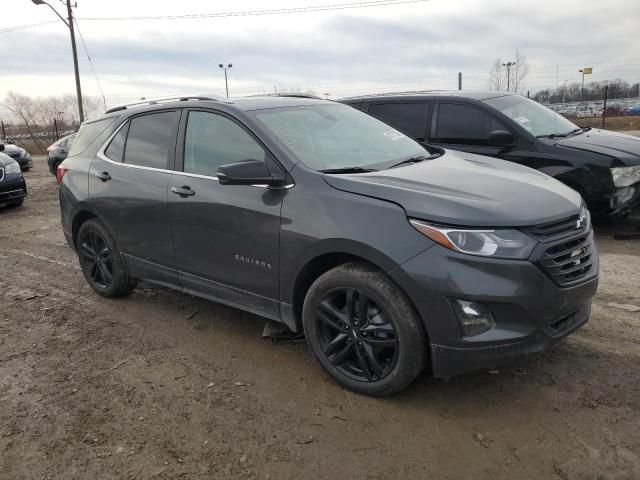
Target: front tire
[(101, 262), (363, 330)]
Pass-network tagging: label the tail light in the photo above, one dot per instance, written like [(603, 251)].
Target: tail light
[(62, 169)]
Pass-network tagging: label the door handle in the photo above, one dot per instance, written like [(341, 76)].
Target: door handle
[(104, 176), (184, 192)]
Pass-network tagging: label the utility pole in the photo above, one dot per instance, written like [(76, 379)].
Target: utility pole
[(4, 134), (604, 109), (69, 25), (75, 62), (508, 65), (459, 80)]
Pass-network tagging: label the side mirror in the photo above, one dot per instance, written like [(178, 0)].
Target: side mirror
[(248, 172), (500, 138)]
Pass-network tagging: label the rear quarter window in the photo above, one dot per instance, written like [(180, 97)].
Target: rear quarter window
[(89, 133)]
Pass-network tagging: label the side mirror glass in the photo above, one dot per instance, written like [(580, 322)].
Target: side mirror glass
[(248, 172), (500, 138)]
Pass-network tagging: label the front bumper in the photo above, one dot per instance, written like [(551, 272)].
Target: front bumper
[(12, 188), (24, 162), (530, 309)]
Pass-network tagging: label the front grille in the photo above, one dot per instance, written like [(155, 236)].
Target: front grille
[(555, 229), (569, 261), (14, 154)]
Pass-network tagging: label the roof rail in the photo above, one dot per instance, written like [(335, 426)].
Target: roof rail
[(179, 98), (291, 95)]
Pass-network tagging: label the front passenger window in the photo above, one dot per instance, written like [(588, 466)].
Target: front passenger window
[(464, 125), (212, 140)]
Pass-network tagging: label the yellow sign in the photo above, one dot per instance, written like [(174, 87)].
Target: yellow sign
[(587, 71)]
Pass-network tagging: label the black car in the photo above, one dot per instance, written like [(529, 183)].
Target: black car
[(13, 188), (603, 166), (18, 153), (387, 254), (57, 152)]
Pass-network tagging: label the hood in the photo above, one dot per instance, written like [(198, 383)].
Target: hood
[(464, 189), (625, 148), (5, 159)]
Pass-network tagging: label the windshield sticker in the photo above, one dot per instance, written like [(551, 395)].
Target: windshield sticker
[(522, 120), (393, 135)]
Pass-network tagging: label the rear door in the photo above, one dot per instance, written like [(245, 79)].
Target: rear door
[(408, 117), (226, 236), (128, 184)]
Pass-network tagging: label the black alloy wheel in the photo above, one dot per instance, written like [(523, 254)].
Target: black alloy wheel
[(101, 261), (356, 335), (364, 330)]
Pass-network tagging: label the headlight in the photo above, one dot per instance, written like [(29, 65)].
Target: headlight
[(625, 176), (487, 243), (13, 167)]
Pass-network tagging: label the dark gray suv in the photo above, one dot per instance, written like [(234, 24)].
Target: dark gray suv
[(387, 254)]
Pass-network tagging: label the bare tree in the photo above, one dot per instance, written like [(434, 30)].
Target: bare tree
[(519, 72), (513, 77), (42, 120), (497, 75)]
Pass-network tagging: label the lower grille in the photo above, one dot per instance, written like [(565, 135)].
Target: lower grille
[(569, 261)]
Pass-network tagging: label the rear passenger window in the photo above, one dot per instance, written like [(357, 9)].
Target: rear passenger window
[(115, 150), (213, 140), (461, 124), (409, 118), (151, 139), (88, 133)]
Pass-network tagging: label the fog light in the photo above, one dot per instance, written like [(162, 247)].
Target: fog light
[(474, 317)]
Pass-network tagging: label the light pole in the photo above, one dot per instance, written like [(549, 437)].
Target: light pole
[(69, 25), (226, 83), (508, 65)]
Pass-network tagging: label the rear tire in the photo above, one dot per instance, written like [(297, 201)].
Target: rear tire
[(101, 261), (363, 330)]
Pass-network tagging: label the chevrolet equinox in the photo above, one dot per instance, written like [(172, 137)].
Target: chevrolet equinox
[(389, 255)]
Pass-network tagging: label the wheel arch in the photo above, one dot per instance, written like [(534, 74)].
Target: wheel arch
[(321, 260)]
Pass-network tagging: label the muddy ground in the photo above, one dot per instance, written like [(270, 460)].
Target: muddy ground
[(163, 385)]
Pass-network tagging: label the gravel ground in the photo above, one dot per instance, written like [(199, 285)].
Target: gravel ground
[(163, 385)]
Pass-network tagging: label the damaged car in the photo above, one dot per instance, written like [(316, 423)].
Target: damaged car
[(603, 166)]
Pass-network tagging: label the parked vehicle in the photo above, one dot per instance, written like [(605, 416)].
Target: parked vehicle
[(389, 255), (634, 110), (603, 166), (19, 154), (13, 188), (57, 152)]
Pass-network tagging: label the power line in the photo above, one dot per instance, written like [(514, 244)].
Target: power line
[(86, 51), (277, 11), (24, 27)]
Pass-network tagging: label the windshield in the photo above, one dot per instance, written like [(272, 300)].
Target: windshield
[(534, 117), (328, 136)]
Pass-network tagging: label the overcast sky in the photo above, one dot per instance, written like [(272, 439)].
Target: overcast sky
[(419, 45)]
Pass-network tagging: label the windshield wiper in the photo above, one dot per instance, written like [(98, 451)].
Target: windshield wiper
[(348, 170), (572, 132), (419, 158)]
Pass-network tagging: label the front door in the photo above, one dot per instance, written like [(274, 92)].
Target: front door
[(128, 188), (226, 237), (458, 126)]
